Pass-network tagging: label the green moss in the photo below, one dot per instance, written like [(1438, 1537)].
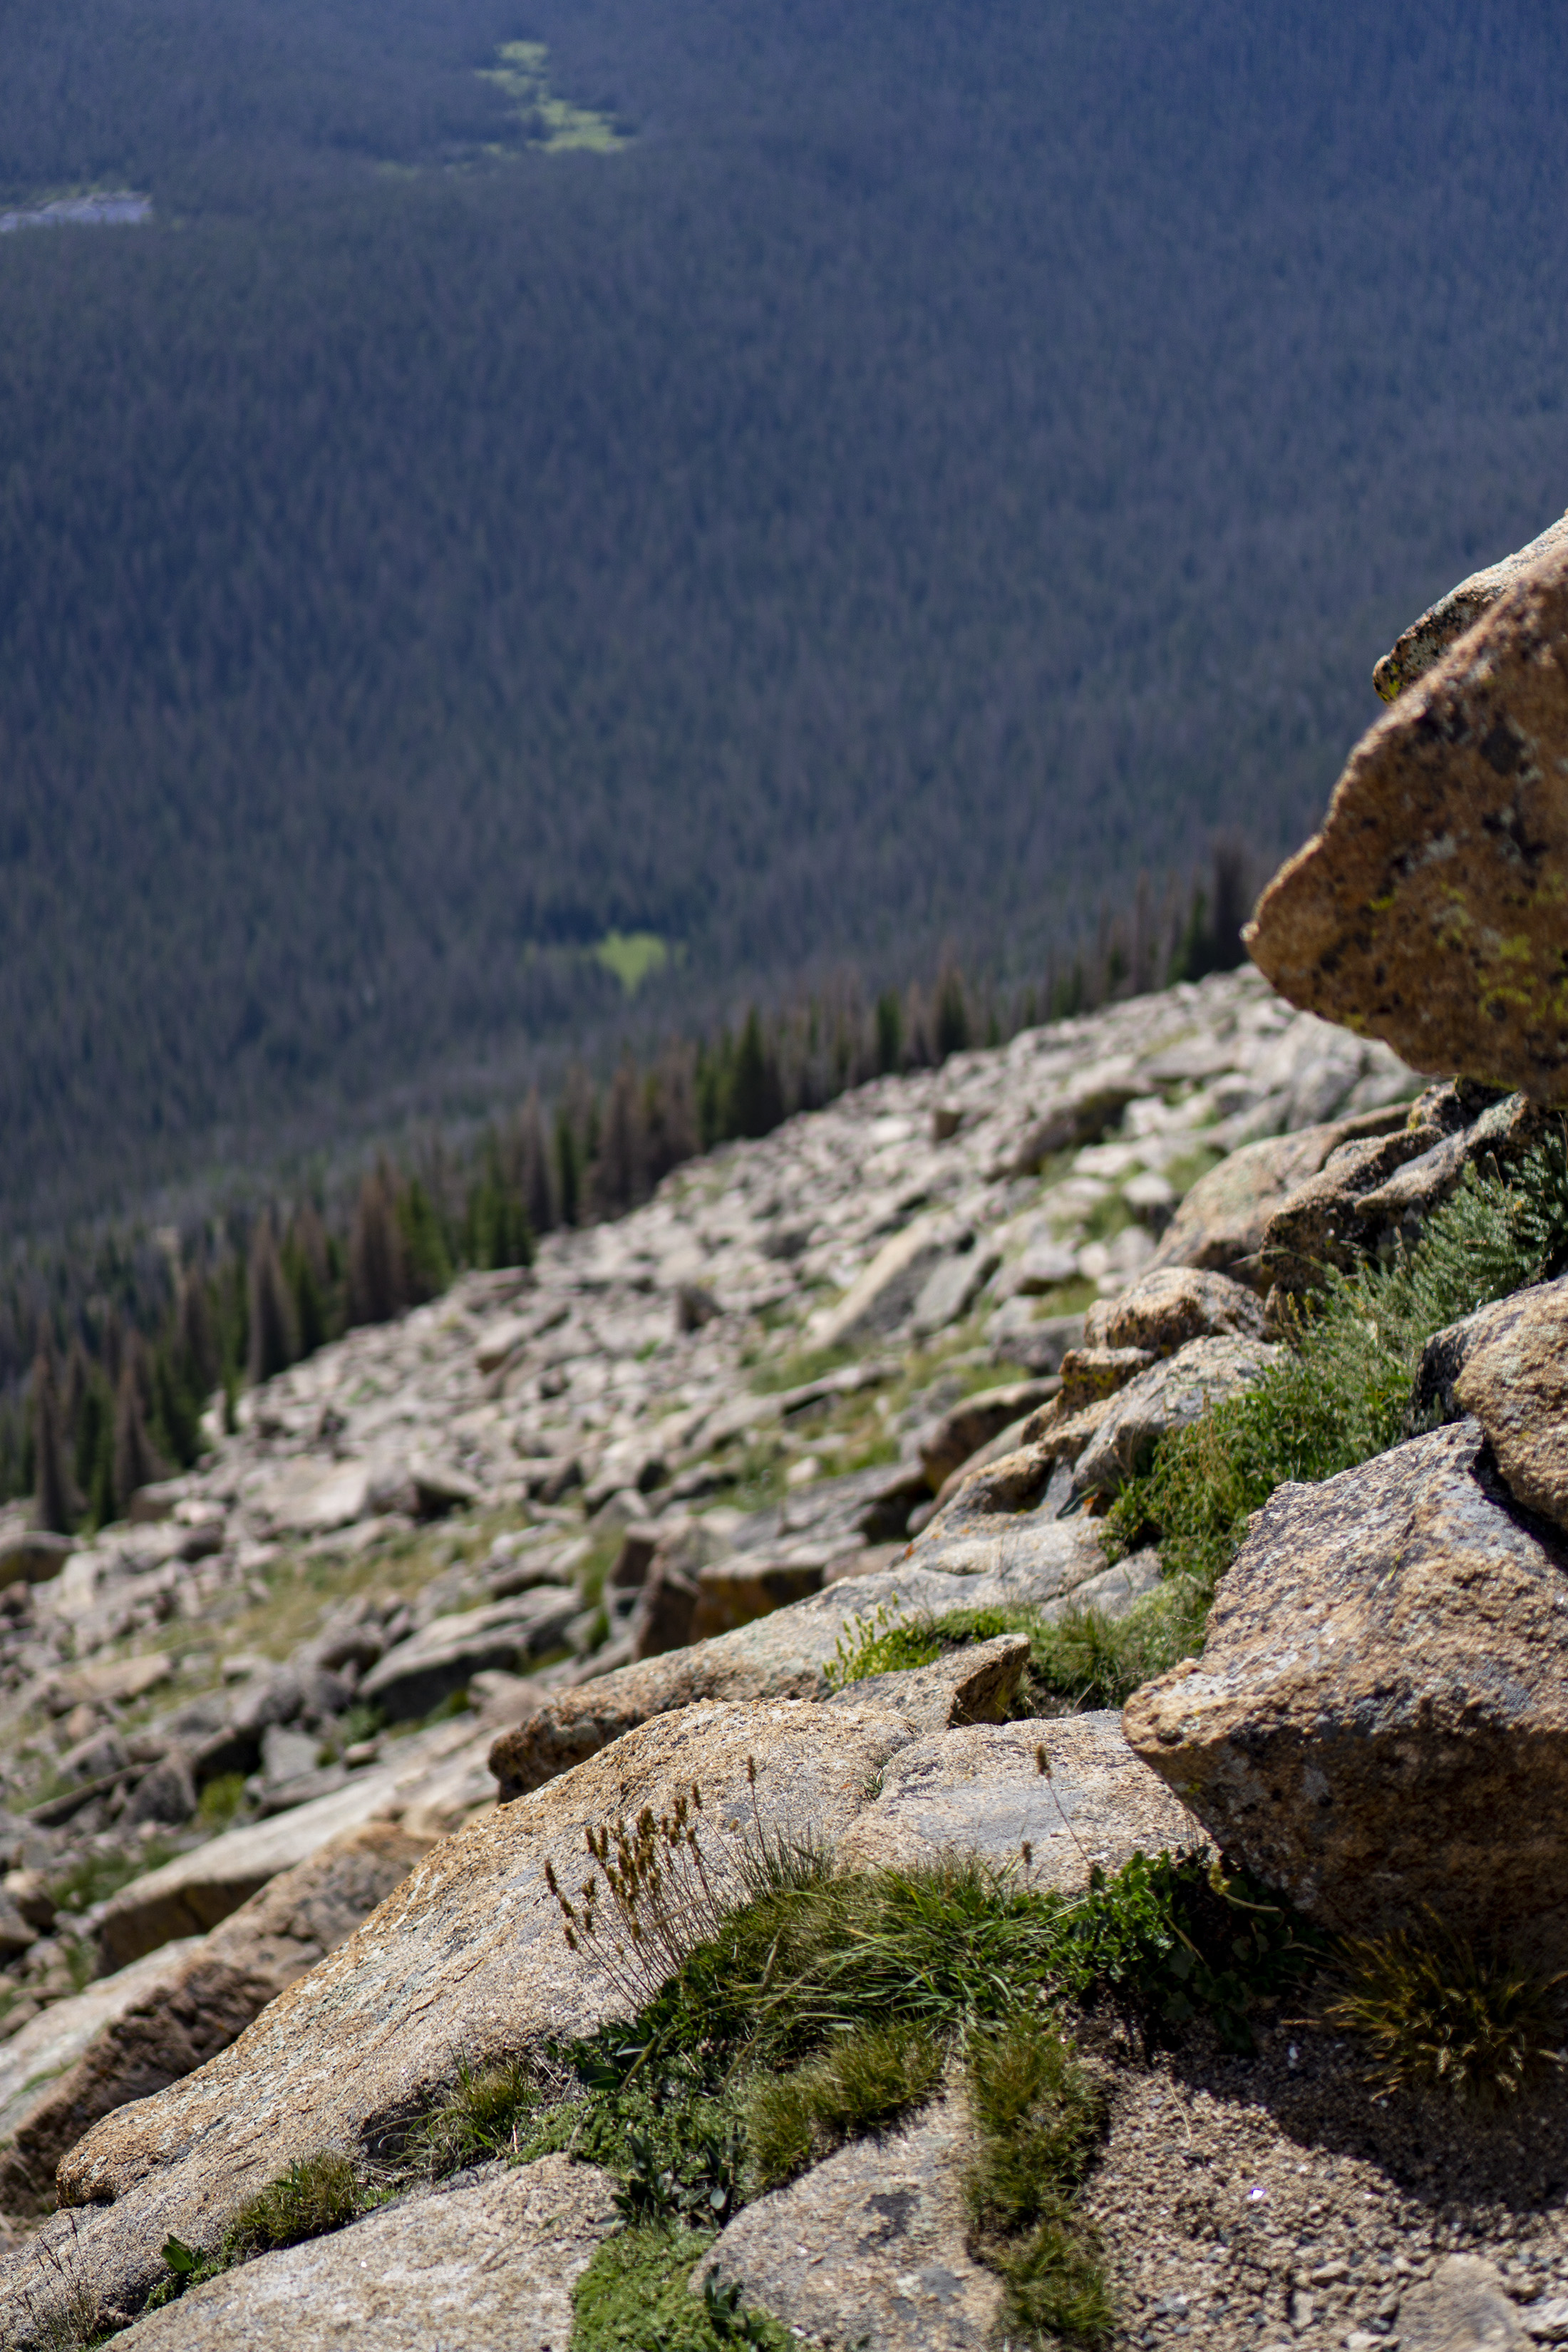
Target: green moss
[(635, 2296), (1036, 2118)]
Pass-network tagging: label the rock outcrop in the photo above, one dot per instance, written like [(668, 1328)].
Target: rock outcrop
[(1379, 1721), (1429, 911), (1423, 644)]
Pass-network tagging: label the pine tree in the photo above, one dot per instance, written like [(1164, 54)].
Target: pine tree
[(427, 1260), (54, 1501), (378, 1288), (306, 1260), (890, 1033), (534, 1167), (756, 1096), (951, 1013), (135, 1463), (619, 1177), (568, 1167), (272, 1339)]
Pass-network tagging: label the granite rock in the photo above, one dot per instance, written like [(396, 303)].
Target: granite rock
[(1379, 1721), (1163, 1310), (868, 2249), (1514, 1379), (1170, 1395), (1429, 911), (1423, 644), (484, 2262), (1464, 2306)]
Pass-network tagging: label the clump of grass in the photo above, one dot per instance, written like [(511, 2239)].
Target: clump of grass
[(882, 1643), (220, 1800), (317, 2195), (860, 2083), (1036, 2117), (635, 2296), (489, 2112), (96, 1876), (1083, 1659), (1342, 1391), (1439, 2016)]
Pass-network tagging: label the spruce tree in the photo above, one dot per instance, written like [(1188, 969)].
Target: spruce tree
[(890, 1033), (620, 1178), (377, 1277), (135, 1463), (951, 1013), (272, 1345), (426, 1261), (534, 1167), (568, 1167), (756, 1096), (54, 1501)]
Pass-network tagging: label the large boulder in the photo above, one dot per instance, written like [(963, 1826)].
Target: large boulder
[(484, 2263), (1423, 644), (884, 1295), (1220, 1224), (168, 2014), (444, 1657), (1514, 1379), (965, 1427), (1429, 911), (466, 1963), (1379, 1722), (1163, 1310)]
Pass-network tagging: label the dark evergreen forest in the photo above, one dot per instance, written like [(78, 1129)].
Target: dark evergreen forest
[(947, 458)]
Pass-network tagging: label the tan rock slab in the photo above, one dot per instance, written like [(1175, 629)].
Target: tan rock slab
[(869, 2248), (466, 1962), (171, 2010), (1169, 1396), (784, 1655), (979, 1790), (1379, 1722), (976, 1684), (1464, 2306), (51, 2042), (1423, 644), (1514, 1380), (487, 2263), (1430, 910)]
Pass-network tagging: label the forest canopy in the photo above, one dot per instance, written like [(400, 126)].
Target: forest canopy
[(925, 463)]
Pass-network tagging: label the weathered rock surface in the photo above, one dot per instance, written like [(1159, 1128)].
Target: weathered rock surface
[(975, 1684), (1170, 1395), (1220, 1225), (479, 2265), (156, 2025), (884, 1296), (869, 2248), (966, 1427), (196, 1891), (1429, 911), (980, 1790), (1379, 1722), (50, 2044), (784, 1655), (1163, 1310), (1514, 1379), (1464, 2306), (1423, 644), (465, 1961)]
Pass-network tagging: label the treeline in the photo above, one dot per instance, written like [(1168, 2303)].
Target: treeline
[(135, 1342), (963, 452)]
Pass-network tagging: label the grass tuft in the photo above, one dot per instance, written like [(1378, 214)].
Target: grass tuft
[(1438, 2016), (635, 2296), (1341, 1393), (316, 2196), (861, 2083), (1036, 2117)]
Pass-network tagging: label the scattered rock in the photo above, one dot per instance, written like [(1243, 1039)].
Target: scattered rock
[(1379, 1722), (870, 2247), (465, 1962), (469, 2267), (1169, 1395), (1220, 1225), (1427, 910), (976, 1684), (418, 1673), (979, 1790), (32, 1556), (960, 1434), (165, 2016), (884, 1296), (949, 1291), (1165, 1309), (1514, 1379)]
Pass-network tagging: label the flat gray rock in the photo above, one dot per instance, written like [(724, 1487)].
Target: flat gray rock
[(487, 2264), (868, 2249), (979, 1790), (418, 1673), (1464, 2306)]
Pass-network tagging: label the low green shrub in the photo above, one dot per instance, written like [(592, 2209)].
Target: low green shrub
[(1036, 2117), (1438, 2015), (1341, 1393)]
